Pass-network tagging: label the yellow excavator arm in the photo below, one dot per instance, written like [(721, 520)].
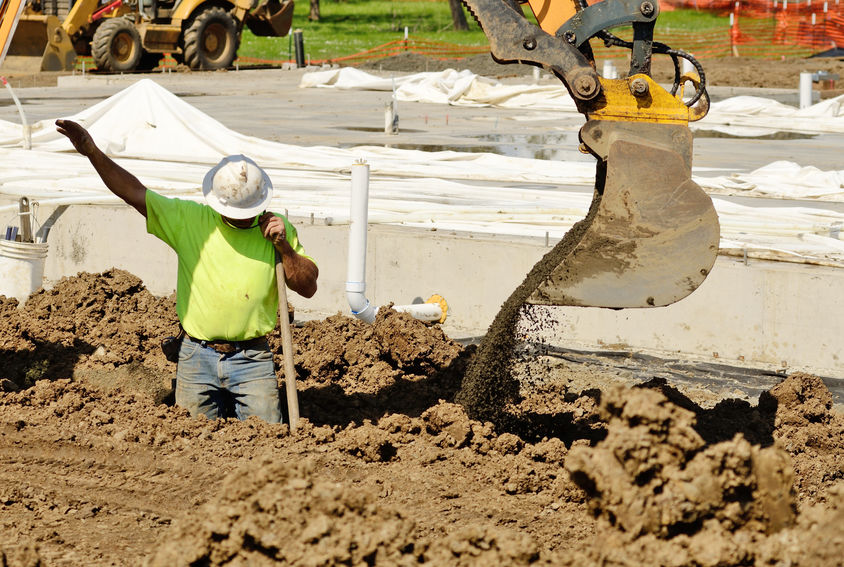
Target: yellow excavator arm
[(651, 235)]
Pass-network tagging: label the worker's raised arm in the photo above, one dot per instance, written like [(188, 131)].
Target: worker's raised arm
[(118, 180)]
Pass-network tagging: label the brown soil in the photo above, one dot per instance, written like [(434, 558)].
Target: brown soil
[(98, 468)]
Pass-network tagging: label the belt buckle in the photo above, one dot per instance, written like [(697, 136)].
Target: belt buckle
[(225, 348)]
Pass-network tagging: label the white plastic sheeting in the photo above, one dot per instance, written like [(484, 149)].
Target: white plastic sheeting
[(458, 88), (169, 145), (782, 179), (146, 121), (739, 116)]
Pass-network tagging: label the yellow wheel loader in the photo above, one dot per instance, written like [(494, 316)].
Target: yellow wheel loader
[(128, 35), (651, 235)]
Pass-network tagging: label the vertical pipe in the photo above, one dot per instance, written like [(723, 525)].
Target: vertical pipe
[(25, 127), (299, 45), (358, 222), (805, 90)]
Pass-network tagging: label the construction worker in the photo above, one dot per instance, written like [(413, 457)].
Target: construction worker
[(226, 294)]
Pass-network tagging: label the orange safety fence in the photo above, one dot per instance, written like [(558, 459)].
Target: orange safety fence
[(815, 25), (771, 37)]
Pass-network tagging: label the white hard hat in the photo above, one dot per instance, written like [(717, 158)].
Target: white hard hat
[(237, 188)]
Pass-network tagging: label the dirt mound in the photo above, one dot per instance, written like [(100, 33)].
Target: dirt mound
[(280, 512), (101, 320), (275, 511), (664, 496), (807, 427), (351, 370), (653, 474), (386, 468), (349, 352)]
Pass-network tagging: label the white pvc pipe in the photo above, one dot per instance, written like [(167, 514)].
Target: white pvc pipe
[(422, 311), (609, 70), (805, 90), (356, 267), (27, 130)]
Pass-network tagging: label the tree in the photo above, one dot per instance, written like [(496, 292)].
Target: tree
[(314, 13), (458, 18)]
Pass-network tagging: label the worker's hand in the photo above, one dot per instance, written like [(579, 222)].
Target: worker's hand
[(272, 227), (78, 136)]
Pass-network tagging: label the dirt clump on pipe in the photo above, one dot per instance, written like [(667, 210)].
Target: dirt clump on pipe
[(99, 468)]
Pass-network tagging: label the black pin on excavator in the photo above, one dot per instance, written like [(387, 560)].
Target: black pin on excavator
[(652, 234)]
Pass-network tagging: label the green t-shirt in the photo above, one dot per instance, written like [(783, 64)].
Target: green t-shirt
[(226, 287)]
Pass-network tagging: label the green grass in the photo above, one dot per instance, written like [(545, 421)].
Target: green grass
[(351, 26), (690, 21)]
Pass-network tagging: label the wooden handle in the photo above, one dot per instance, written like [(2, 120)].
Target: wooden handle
[(287, 346)]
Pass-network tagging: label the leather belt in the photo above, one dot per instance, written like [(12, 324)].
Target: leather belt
[(230, 347)]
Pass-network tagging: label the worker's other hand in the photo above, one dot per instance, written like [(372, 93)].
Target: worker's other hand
[(272, 227), (78, 136)]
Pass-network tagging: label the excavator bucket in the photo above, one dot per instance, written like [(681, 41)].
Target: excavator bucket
[(270, 18), (39, 44), (652, 233)]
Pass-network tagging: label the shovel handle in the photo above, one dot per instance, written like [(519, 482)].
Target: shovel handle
[(287, 346)]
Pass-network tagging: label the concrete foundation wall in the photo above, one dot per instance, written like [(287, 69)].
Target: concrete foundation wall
[(765, 314)]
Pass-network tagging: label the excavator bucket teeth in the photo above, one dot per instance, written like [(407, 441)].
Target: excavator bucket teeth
[(652, 234)]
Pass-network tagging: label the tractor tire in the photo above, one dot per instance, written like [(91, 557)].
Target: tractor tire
[(116, 45), (211, 40)]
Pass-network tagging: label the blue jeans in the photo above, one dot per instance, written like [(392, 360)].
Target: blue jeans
[(208, 382)]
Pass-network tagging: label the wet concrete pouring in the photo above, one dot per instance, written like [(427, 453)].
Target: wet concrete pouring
[(414, 449)]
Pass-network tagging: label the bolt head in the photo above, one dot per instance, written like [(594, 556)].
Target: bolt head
[(639, 87), (530, 44), (570, 36), (646, 8), (585, 86)]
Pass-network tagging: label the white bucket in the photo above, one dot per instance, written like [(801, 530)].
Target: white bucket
[(21, 268)]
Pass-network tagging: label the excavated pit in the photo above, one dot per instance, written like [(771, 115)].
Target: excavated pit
[(386, 468)]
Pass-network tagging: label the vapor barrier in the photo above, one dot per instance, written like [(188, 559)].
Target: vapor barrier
[(170, 145), (739, 116)]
